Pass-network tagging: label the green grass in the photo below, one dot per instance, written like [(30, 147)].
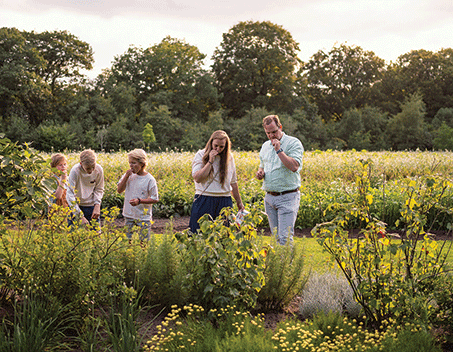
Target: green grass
[(318, 260)]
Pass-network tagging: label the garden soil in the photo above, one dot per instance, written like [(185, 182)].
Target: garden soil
[(181, 223)]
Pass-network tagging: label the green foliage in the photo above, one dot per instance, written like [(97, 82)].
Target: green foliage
[(444, 138), (44, 97), (284, 276), (111, 196), (255, 66), (341, 79), (24, 180), (426, 72), (73, 267), (175, 199), (148, 134), (54, 137), (443, 115), (122, 326), (389, 277), (38, 326), (168, 128), (167, 74), (363, 129), (442, 318), (223, 262), (35, 70), (159, 274), (407, 129), (247, 132)]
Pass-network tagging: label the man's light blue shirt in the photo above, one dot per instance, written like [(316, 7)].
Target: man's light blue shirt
[(278, 178)]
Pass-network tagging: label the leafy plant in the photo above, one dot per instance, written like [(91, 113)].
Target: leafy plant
[(223, 262), (70, 266), (122, 326), (24, 180), (388, 276), (160, 276), (284, 276)]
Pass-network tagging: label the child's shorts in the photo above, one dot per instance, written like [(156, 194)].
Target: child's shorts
[(143, 226)]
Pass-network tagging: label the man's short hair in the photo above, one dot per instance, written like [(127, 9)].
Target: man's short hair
[(271, 118)]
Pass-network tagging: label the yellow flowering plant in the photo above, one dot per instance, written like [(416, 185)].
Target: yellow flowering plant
[(389, 273)]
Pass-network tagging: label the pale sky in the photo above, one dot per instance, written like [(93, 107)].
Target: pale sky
[(389, 28)]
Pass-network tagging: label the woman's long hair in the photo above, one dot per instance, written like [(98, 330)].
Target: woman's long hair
[(225, 155)]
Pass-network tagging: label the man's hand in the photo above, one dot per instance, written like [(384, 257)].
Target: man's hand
[(276, 144), (260, 174)]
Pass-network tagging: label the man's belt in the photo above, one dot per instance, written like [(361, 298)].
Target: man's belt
[(282, 193)]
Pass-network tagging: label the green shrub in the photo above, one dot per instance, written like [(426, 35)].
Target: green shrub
[(25, 182), (326, 293), (73, 266), (284, 276), (442, 317), (223, 261), (388, 277), (160, 275)]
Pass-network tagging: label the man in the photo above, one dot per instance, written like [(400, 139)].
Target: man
[(280, 165)]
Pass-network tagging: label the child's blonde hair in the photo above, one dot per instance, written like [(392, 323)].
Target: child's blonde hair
[(88, 157), (139, 155), (56, 159)]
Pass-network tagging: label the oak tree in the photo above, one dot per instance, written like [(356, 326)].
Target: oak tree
[(256, 65)]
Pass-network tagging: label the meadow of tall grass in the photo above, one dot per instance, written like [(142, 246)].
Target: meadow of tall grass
[(327, 177)]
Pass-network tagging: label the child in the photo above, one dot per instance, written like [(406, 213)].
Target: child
[(141, 193), (59, 162), (86, 185)]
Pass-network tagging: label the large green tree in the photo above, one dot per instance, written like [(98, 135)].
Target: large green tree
[(22, 91), (63, 54), (363, 128), (256, 65), (407, 129), (35, 71), (341, 79), (169, 73), (418, 71)]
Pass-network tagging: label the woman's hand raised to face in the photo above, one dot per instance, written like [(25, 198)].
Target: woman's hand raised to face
[(212, 154)]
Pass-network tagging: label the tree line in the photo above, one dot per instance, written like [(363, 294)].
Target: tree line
[(162, 97)]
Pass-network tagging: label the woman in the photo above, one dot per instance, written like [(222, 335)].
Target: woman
[(214, 173)]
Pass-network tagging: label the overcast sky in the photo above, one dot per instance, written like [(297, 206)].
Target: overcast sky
[(389, 28)]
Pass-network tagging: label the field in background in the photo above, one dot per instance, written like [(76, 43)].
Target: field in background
[(327, 177)]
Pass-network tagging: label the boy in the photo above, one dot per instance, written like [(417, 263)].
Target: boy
[(141, 193), (86, 185)]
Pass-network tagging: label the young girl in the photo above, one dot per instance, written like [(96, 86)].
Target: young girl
[(59, 162), (86, 187), (214, 173), (141, 194)]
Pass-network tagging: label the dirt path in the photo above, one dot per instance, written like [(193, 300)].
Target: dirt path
[(182, 223)]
